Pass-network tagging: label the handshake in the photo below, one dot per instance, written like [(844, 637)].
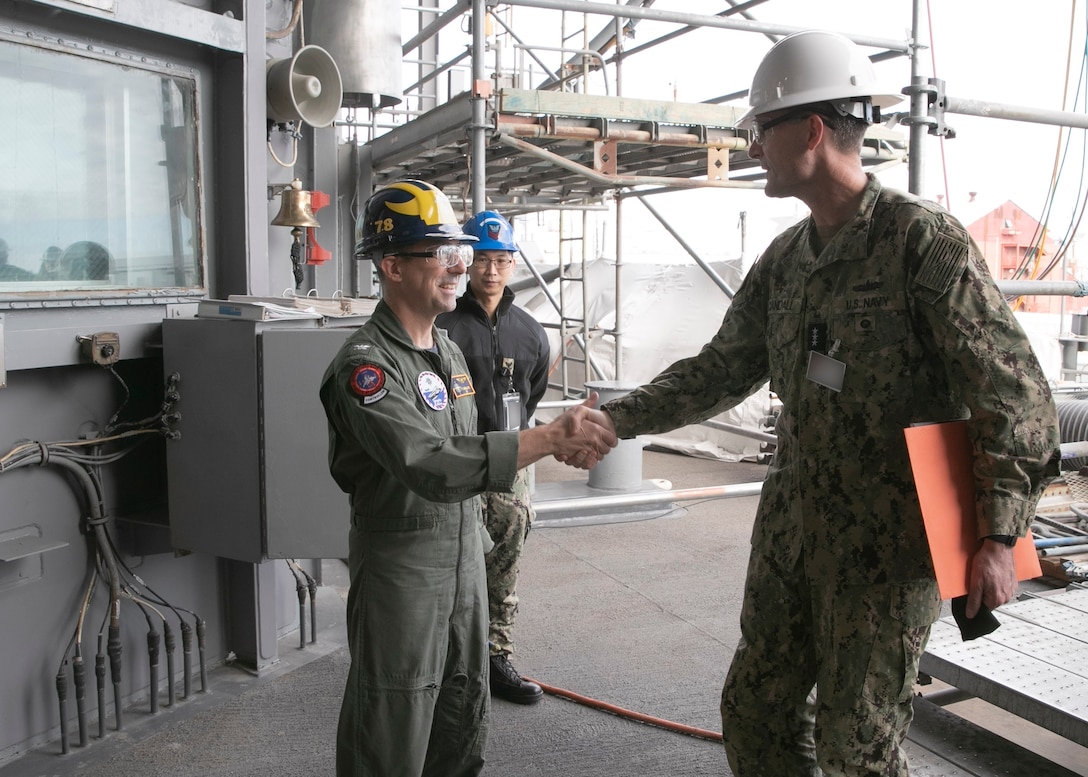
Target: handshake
[(581, 436)]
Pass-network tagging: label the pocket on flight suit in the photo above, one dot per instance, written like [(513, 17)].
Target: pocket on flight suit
[(900, 640)]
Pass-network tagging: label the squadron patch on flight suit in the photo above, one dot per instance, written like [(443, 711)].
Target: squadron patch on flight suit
[(368, 382), (945, 261), (461, 386), (433, 390)]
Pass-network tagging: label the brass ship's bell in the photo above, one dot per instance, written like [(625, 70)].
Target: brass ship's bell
[(295, 208)]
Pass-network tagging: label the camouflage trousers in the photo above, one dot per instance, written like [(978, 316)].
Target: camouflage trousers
[(822, 680), (508, 518)]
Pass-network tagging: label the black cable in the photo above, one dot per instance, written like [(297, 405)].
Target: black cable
[(300, 589), (79, 460), (311, 586), (62, 700), (186, 654), (168, 642), (78, 676), (200, 628)]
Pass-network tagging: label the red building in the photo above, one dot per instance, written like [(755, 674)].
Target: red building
[(1016, 249)]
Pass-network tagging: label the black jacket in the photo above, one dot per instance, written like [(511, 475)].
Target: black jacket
[(516, 335)]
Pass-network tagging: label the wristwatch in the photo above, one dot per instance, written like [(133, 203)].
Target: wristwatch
[(1008, 540)]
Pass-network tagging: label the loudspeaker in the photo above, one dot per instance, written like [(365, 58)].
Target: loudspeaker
[(306, 87)]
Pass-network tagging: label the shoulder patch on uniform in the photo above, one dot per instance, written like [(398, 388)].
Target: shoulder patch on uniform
[(368, 382), (945, 260)]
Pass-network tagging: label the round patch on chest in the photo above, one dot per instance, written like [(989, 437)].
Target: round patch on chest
[(433, 391)]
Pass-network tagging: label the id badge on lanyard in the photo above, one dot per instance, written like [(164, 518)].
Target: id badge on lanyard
[(511, 411), (511, 400), (824, 369)]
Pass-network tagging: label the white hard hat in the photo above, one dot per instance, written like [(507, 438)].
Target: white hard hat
[(815, 66)]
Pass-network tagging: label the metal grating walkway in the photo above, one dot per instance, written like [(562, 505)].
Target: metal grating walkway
[(1035, 665)]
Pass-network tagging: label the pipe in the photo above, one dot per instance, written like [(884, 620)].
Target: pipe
[(742, 431), (718, 280), (552, 507), (695, 20), (619, 180), (1070, 550), (479, 129), (1053, 542), (524, 128), (990, 110), (584, 52), (946, 696)]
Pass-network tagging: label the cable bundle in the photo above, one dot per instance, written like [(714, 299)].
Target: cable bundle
[(81, 459)]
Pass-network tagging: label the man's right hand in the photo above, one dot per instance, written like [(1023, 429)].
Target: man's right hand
[(596, 425), (580, 437)]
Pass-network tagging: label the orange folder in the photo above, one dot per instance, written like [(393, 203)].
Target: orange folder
[(943, 465)]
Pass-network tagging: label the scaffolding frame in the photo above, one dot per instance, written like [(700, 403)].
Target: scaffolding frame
[(552, 147)]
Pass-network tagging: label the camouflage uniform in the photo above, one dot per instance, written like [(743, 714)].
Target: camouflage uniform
[(840, 590), (508, 354), (403, 445), (508, 518)]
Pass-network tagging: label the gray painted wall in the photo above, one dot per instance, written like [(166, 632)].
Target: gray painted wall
[(51, 394)]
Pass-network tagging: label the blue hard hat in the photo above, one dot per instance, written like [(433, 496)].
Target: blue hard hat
[(494, 232), (406, 212)]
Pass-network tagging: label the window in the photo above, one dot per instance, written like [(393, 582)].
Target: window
[(98, 178)]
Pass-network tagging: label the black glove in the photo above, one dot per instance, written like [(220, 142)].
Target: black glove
[(982, 624)]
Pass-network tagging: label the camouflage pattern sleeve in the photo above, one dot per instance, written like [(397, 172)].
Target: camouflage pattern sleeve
[(724, 372), (1013, 422)]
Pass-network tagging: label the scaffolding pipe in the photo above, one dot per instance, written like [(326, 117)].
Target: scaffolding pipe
[(918, 107), (543, 284), (479, 110), (742, 431), (1043, 288), (614, 181), (693, 20), (718, 280), (525, 48), (990, 110), (584, 52), (564, 506), (432, 29), (526, 127)]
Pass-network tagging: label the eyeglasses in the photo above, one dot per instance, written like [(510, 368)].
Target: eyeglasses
[(761, 129), (447, 255), (500, 262)]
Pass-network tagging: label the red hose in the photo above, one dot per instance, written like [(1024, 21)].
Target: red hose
[(680, 728)]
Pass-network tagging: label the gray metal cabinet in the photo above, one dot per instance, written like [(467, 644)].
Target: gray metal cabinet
[(248, 477)]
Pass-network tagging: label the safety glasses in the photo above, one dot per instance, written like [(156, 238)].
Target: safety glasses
[(447, 255)]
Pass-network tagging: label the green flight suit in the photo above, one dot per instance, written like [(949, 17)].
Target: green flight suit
[(403, 445), (840, 590)]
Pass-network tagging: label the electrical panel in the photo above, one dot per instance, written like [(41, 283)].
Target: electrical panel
[(248, 472)]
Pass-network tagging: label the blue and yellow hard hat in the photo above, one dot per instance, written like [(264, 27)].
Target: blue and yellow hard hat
[(406, 212)]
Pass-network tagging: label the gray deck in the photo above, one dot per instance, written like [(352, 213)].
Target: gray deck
[(640, 615)]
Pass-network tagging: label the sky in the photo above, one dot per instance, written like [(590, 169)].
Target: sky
[(1000, 51)]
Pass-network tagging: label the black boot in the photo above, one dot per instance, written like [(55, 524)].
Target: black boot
[(507, 684)]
